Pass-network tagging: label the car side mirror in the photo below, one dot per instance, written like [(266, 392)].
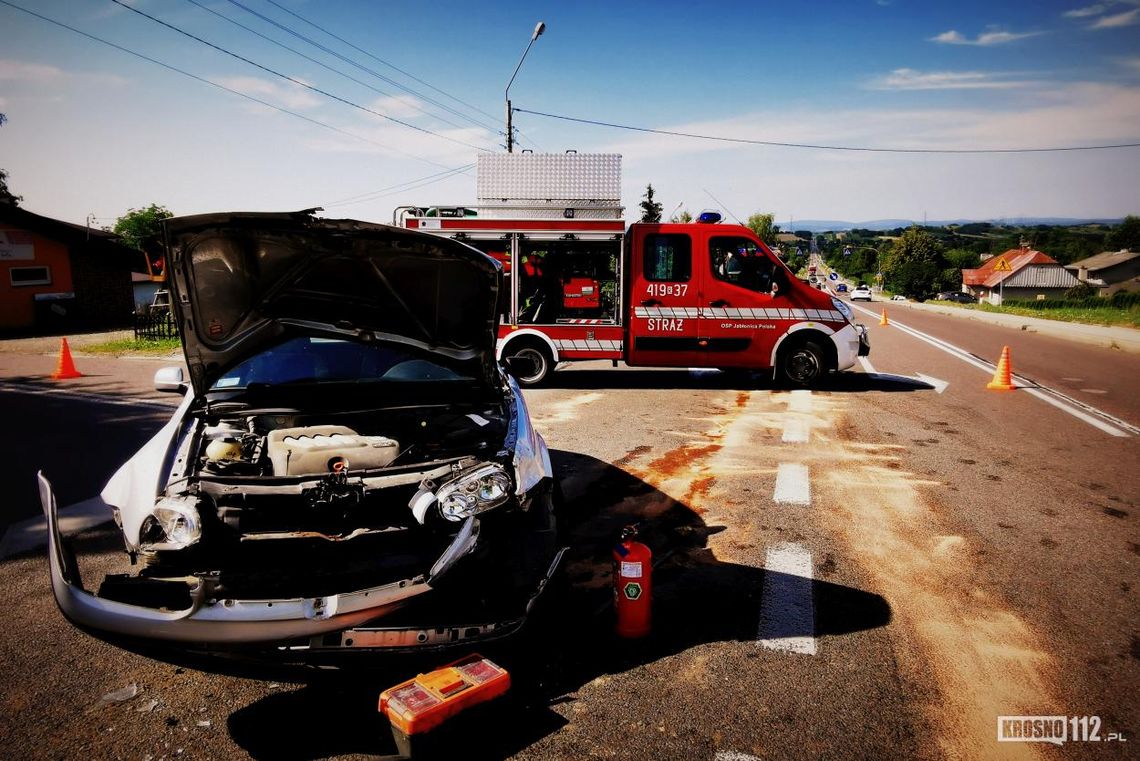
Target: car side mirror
[(170, 380)]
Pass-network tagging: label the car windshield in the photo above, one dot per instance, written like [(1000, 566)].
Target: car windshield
[(311, 360)]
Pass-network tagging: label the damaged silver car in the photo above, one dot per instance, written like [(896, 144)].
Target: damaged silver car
[(350, 469)]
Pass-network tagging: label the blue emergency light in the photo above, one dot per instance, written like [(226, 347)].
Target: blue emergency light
[(709, 217)]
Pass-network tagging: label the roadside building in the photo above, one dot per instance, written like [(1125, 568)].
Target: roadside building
[(56, 276), (1110, 271), (1020, 273)]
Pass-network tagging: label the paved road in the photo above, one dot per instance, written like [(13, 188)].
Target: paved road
[(874, 570)]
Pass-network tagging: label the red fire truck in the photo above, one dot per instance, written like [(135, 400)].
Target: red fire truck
[(581, 285)]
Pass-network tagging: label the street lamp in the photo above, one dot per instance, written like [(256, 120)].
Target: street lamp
[(539, 28)]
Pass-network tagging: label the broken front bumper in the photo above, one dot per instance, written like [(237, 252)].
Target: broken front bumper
[(210, 622)]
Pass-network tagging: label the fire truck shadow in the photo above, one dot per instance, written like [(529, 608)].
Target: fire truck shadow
[(845, 382)]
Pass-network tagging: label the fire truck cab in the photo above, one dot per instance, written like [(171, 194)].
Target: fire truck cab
[(580, 285)]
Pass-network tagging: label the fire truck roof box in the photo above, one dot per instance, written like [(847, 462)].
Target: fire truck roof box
[(561, 179)]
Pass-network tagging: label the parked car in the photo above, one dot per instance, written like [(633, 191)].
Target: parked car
[(957, 297), (898, 297), (842, 287), (861, 292), (350, 468)]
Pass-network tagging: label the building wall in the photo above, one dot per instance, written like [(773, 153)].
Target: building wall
[(1024, 294), (1122, 277), (17, 302)]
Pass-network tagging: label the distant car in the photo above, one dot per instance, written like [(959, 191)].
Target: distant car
[(957, 297), (898, 297), (842, 287), (861, 292)]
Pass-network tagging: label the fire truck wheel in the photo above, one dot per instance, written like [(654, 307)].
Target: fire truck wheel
[(532, 355), (803, 365)]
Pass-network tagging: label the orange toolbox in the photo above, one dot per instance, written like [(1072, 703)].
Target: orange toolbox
[(420, 705)]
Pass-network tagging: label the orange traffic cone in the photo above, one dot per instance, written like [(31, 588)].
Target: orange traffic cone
[(883, 320), (1003, 374), (66, 367)]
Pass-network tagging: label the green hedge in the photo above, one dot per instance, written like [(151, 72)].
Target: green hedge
[(1119, 300)]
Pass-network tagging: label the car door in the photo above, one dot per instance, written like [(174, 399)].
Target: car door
[(739, 317), (662, 299)]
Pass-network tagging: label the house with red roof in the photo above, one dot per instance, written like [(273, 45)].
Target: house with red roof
[(1020, 273)]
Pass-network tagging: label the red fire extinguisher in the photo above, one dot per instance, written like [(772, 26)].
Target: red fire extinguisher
[(633, 587)]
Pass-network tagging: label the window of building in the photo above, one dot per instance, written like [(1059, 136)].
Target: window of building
[(741, 262), (30, 275), (668, 257)]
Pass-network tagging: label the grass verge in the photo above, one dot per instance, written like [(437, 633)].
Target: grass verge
[(156, 347), (1106, 315)]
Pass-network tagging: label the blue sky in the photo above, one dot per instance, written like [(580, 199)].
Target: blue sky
[(92, 130)]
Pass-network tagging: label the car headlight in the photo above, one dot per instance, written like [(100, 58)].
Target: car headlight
[(843, 308), (474, 492), (174, 524)]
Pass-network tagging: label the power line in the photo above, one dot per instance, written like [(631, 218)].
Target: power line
[(295, 81), (390, 65), (381, 60), (330, 51), (814, 146), (398, 187), (203, 80), (314, 60)]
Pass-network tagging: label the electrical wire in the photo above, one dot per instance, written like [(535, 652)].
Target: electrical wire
[(318, 63), (295, 81), (819, 147), (203, 80), (394, 67), (349, 61), (390, 65), (398, 187)]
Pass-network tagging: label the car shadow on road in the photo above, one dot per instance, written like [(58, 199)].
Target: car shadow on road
[(602, 379), (569, 639)]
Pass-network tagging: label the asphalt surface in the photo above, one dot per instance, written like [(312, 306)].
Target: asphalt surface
[(878, 569)]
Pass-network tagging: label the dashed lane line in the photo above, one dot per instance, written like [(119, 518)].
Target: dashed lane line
[(793, 484), (787, 612), (1095, 417)]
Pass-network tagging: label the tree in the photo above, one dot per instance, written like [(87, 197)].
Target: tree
[(1127, 235), (139, 224), (6, 196), (683, 218), (650, 209), (764, 227), (913, 263)]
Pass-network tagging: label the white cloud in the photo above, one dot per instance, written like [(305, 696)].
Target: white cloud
[(288, 95), (1130, 63), (29, 72), (910, 79), (1127, 18), (985, 39), (399, 106), (1091, 10)]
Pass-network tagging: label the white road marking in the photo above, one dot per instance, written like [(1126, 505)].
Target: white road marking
[(796, 431), (787, 612), (867, 366), (734, 755), (32, 533), (800, 400), (939, 385), (1078, 409), (793, 485)]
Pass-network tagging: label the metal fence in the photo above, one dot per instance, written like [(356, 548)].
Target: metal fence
[(155, 324)]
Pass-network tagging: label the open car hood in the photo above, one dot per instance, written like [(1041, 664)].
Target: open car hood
[(243, 282)]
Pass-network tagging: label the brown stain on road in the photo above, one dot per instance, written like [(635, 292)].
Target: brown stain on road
[(982, 659)]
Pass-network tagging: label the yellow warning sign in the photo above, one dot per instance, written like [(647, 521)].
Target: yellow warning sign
[(1002, 266)]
